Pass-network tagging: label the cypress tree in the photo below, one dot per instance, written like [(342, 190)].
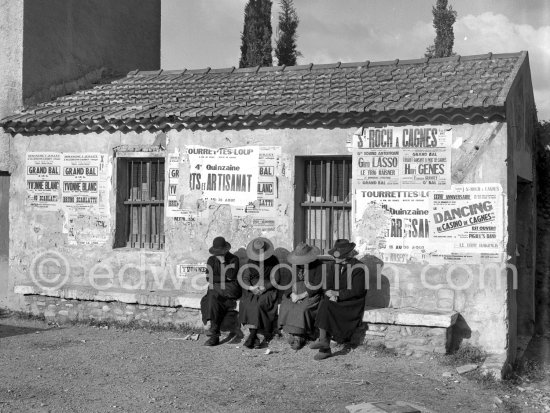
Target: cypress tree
[(285, 49), (256, 35), (444, 18)]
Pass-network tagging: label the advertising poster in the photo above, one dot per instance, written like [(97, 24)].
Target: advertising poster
[(104, 187), (173, 206), (43, 180), (80, 182), (263, 210), (224, 175), (403, 157), (268, 167), (401, 222), (467, 222)]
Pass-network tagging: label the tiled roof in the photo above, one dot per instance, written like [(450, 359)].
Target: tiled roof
[(310, 95)]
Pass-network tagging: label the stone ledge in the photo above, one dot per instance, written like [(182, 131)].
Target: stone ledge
[(153, 298), (410, 317)]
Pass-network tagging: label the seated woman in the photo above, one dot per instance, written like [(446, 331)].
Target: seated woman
[(299, 306), (341, 309), (258, 306)]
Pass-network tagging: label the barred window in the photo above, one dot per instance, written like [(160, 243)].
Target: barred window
[(140, 203), (324, 194)]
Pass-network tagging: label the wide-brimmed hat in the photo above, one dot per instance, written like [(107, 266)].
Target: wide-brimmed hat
[(342, 247), (303, 254), (260, 249), (219, 246)]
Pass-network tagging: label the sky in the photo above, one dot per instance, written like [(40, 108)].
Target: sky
[(206, 33)]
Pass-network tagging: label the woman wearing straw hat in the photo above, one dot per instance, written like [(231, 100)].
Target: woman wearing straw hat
[(258, 306), (299, 307), (341, 309)]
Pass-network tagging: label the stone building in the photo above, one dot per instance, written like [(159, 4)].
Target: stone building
[(117, 190), (50, 49)]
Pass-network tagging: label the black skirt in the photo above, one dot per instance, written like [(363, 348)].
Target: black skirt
[(259, 310), (340, 319), (299, 317)]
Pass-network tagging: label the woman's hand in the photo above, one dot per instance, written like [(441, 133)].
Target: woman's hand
[(257, 289), (294, 297), (332, 295)]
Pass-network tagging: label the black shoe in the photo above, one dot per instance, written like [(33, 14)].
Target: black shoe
[(322, 354), (320, 345), (260, 344), (212, 341), (298, 343), (251, 341)]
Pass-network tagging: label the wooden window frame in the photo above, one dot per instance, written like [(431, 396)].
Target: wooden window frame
[(139, 222), (325, 201)]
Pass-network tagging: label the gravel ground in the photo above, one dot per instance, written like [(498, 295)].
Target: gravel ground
[(47, 368)]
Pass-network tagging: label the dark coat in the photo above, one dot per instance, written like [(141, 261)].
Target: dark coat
[(299, 317), (342, 317), (223, 277), (223, 289), (260, 311)]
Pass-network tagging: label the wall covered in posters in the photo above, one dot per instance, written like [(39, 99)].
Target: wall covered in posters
[(243, 178), (78, 184), (402, 181)]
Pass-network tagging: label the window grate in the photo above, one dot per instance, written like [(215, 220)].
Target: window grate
[(326, 202), (144, 203)]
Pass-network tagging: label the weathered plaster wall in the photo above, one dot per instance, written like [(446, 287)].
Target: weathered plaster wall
[(479, 155), (521, 122), (66, 43), (11, 69), (11, 52)]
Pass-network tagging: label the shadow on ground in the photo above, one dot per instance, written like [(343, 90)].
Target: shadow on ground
[(538, 350), (9, 331)]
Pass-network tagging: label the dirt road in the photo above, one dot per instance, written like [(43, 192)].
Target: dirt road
[(81, 368)]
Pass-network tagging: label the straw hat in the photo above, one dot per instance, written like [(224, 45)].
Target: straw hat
[(219, 246), (303, 254), (260, 249)]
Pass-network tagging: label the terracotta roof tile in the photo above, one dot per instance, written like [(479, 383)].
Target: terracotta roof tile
[(238, 97)]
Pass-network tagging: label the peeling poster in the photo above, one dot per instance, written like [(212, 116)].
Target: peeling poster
[(263, 210), (174, 207), (393, 224)]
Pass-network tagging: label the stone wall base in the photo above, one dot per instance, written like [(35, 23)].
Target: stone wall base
[(408, 340), (403, 339), (64, 311)]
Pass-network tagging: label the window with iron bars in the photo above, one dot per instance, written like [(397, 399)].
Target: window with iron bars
[(140, 203), (323, 194)]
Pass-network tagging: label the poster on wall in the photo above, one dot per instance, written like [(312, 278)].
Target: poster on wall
[(224, 175), (43, 180), (86, 229), (403, 157), (192, 270), (395, 223), (174, 207), (85, 188), (80, 182), (263, 210), (467, 222)]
